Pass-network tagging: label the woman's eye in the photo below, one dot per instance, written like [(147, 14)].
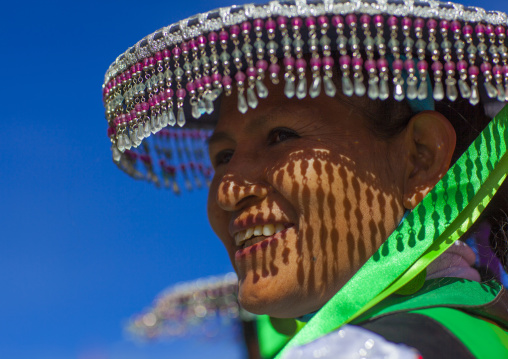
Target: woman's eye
[(223, 157), (281, 134)]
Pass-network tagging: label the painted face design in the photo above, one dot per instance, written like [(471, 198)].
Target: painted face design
[(303, 194)]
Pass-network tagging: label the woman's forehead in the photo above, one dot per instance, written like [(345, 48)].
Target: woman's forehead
[(278, 106)]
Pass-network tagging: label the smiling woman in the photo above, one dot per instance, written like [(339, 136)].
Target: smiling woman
[(353, 198), (313, 169)]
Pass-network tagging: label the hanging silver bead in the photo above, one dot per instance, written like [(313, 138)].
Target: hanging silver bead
[(117, 155), (475, 95), (126, 142), (171, 117), (329, 86), (195, 110), (451, 89), (384, 91), (465, 90), (289, 88), (412, 90), (360, 88), (147, 129), (398, 91), (315, 88), (491, 90), (438, 91), (242, 103), (208, 106), (180, 117), (373, 92), (261, 89), (301, 89), (252, 100), (201, 106), (120, 143), (347, 86)]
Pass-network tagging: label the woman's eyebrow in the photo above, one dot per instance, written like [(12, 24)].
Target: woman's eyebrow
[(217, 137), (258, 122)]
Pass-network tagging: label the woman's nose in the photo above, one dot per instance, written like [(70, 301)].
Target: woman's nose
[(241, 187)]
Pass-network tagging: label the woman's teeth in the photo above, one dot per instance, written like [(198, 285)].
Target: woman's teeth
[(266, 230)]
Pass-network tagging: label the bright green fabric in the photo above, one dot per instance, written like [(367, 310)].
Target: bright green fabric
[(270, 340), (442, 292), (483, 339), (441, 218)]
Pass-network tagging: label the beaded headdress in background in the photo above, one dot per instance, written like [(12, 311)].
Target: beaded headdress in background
[(191, 308), (160, 95)]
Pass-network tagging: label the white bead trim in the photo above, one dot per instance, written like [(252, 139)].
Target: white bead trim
[(237, 14)]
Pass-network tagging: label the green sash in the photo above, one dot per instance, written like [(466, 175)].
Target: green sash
[(476, 299), (450, 292)]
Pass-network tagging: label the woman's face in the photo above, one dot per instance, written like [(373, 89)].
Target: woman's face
[(303, 194)]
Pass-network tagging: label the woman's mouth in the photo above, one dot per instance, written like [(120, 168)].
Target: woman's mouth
[(259, 233)]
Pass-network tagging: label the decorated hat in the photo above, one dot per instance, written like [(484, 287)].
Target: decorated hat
[(161, 95)]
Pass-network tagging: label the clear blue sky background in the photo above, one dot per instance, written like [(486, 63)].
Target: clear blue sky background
[(82, 246)]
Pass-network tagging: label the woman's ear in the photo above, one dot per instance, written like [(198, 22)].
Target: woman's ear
[(431, 139)]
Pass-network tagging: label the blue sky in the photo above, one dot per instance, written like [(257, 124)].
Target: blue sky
[(82, 246)]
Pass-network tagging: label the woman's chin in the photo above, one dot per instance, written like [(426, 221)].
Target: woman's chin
[(266, 306), (259, 299)]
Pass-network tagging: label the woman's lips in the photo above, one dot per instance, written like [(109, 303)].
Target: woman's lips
[(253, 244), (261, 230)]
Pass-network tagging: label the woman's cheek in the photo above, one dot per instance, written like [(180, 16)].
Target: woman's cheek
[(217, 217)]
